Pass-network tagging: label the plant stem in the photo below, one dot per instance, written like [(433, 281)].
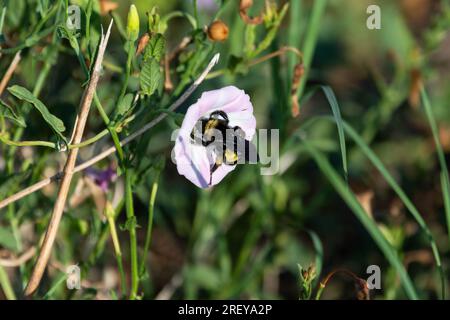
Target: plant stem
[(110, 215), (6, 285), (128, 70), (111, 130), (131, 219), (128, 183), (310, 41), (52, 145), (148, 237), (294, 33), (197, 22), (36, 143), (129, 210)]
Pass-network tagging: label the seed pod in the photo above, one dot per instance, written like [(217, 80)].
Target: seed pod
[(218, 31), (244, 5), (299, 71), (154, 22), (133, 24)]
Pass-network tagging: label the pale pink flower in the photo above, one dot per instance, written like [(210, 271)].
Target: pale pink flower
[(195, 161)]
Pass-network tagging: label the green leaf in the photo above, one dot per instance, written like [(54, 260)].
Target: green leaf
[(25, 95), (150, 77), (64, 33), (125, 104), (7, 239), (11, 182), (8, 112), (155, 47), (178, 118)]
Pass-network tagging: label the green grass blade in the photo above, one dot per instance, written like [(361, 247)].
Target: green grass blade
[(311, 36), (294, 34), (402, 195), (62, 278), (329, 94), (2, 19), (6, 285), (349, 197), (446, 191), (444, 170)]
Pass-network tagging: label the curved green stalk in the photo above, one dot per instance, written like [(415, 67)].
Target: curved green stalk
[(6, 285), (148, 236), (311, 37), (349, 197)]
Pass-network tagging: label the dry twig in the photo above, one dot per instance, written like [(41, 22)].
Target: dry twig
[(17, 262), (12, 67), (68, 171)]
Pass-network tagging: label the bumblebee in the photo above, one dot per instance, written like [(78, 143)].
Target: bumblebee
[(228, 143)]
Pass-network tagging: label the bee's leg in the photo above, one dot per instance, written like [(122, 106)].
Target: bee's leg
[(215, 166)]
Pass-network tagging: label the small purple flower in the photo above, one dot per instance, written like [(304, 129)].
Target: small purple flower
[(196, 161), (102, 177)]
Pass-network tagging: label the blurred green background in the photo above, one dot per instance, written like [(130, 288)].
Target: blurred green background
[(245, 237)]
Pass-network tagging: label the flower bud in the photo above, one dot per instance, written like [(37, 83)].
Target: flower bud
[(133, 23), (154, 21), (218, 31)]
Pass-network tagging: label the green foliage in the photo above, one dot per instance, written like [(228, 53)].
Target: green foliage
[(9, 113), (54, 122), (71, 35), (150, 76), (7, 239)]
